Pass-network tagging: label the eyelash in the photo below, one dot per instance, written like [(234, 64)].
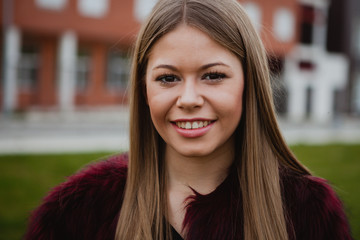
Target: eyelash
[(162, 78), (214, 76)]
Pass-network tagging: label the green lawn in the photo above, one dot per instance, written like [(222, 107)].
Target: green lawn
[(340, 164), (24, 179)]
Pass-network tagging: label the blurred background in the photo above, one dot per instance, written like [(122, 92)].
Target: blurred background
[(64, 90)]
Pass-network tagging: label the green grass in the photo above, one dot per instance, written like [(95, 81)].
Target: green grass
[(340, 164), (25, 179)]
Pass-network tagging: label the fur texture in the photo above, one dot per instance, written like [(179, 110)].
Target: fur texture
[(87, 205)]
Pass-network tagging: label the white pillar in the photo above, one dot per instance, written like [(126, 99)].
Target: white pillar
[(12, 45), (331, 75), (297, 83), (323, 103), (297, 99), (67, 71)]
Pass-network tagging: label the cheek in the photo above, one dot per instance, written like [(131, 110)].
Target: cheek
[(230, 100), (158, 112), (233, 107), (238, 103), (155, 108), (158, 107)]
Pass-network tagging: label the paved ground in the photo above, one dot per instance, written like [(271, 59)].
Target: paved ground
[(107, 130), (54, 132)]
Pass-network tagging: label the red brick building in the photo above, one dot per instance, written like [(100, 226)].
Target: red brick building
[(62, 54)]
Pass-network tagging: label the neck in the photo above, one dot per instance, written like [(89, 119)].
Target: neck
[(202, 173)]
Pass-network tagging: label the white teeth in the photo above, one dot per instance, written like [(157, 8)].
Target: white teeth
[(192, 125)]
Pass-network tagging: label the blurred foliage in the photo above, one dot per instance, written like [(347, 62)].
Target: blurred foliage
[(25, 179)]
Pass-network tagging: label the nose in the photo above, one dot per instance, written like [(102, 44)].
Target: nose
[(189, 96)]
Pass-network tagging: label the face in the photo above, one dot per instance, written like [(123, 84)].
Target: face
[(194, 90)]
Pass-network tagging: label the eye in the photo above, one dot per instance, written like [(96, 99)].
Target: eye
[(167, 78), (214, 76)]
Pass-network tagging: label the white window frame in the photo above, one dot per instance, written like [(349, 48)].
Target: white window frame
[(55, 5), (28, 70), (255, 14), (284, 25), (83, 71), (143, 8), (118, 71), (93, 8)]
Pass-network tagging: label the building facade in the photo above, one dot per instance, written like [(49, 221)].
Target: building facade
[(312, 74), (64, 53), (68, 54)]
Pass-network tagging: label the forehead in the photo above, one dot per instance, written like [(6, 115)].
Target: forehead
[(188, 44)]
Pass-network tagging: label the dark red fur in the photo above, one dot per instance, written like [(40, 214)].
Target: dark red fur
[(86, 206), (314, 210), (217, 215)]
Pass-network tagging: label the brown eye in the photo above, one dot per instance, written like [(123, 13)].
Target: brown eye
[(214, 76), (168, 78)]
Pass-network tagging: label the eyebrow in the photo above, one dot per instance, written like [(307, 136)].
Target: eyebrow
[(206, 66)]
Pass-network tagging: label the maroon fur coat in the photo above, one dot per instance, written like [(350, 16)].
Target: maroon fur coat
[(86, 206)]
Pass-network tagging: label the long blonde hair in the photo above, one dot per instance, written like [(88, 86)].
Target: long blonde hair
[(260, 146)]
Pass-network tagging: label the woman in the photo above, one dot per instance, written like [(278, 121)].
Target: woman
[(206, 157)]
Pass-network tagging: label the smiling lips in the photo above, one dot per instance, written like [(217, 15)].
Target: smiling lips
[(193, 128), (192, 124)]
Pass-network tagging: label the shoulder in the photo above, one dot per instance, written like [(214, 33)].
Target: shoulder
[(314, 209), (104, 176), (89, 200)]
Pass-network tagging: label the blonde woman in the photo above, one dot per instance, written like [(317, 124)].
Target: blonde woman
[(206, 157)]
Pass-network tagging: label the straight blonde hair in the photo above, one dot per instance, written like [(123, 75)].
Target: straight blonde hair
[(261, 149)]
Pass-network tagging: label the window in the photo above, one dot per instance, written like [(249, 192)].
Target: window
[(51, 4), (143, 8), (254, 12), (28, 68), (93, 8), (118, 70), (284, 25), (307, 24), (83, 67)]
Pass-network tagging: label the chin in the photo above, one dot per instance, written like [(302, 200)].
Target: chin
[(195, 153)]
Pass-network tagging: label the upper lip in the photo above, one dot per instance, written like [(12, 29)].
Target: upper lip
[(192, 119)]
